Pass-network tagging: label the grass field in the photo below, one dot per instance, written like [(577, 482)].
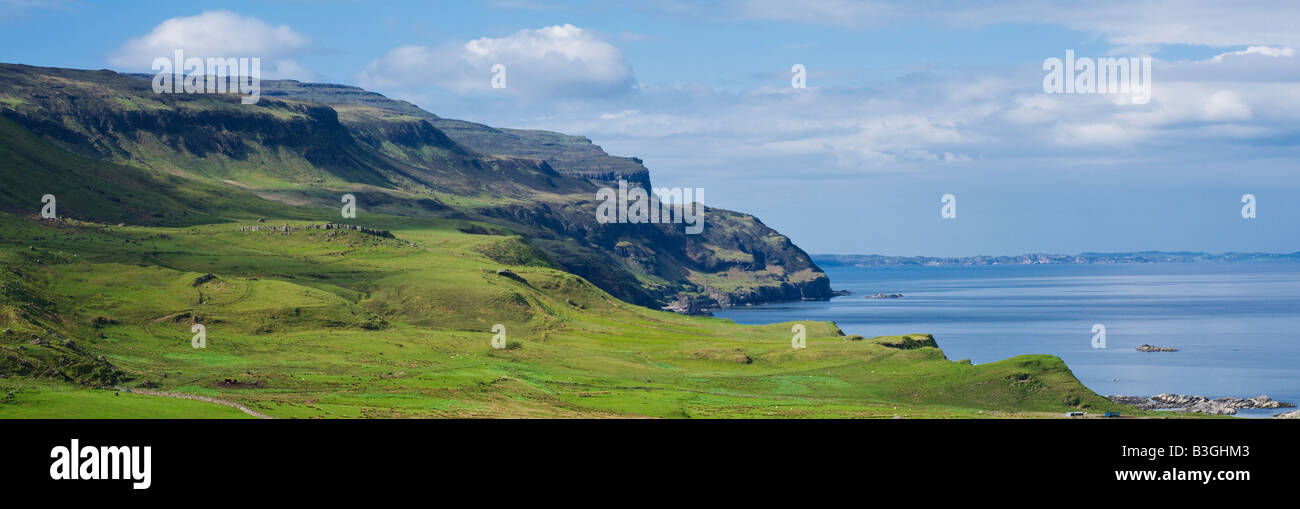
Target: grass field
[(338, 323), (209, 212)]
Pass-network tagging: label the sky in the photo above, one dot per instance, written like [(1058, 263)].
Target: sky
[(903, 103)]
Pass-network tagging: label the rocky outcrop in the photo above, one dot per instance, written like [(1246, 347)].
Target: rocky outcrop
[(760, 265), (909, 342), (692, 305), (571, 155), (506, 273), (817, 289), (1294, 414), (1199, 404), (1142, 403)]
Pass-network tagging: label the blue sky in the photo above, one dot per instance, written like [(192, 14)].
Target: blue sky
[(906, 101)]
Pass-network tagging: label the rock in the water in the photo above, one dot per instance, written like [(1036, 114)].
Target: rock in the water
[(1260, 401), (1133, 401), (1198, 404)]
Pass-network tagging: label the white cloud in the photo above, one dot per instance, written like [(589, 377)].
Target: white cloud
[(621, 114), (1259, 50), (555, 61), (955, 119), (218, 34), (1256, 64), (848, 13), (946, 121), (1095, 134), (1225, 105), (1033, 108), (1121, 22)]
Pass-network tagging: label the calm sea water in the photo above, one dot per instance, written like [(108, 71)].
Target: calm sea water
[(1236, 324)]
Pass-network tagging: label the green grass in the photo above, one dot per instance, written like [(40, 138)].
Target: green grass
[(343, 324), (33, 403), (113, 151), (331, 323)]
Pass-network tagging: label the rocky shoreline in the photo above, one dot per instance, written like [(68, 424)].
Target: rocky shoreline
[(715, 300), (1204, 405)]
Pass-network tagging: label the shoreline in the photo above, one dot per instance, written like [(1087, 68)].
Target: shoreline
[(1118, 258), (962, 312), (1203, 405)]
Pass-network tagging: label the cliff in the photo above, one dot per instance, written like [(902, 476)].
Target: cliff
[(291, 156)]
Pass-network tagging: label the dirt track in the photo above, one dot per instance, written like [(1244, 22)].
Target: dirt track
[(231, 404)]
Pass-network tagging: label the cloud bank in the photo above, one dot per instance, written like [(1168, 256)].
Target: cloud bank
[(218, 34), (554, 61)]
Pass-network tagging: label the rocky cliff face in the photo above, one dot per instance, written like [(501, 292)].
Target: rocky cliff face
[(761, 265), (569, 155), (735, 261), (305, 143), (817, 289)]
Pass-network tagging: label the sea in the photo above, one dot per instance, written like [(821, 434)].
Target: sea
[(1236, 325)]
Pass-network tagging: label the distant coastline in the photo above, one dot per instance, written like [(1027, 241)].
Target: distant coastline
[(836, 260)]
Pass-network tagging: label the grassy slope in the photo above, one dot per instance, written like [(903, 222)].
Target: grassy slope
[(177, 159), (341, 324), (59, 403), (31, 167)]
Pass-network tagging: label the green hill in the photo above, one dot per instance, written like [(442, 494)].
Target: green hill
[(339, 323), (177, 211), (294, 150)]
